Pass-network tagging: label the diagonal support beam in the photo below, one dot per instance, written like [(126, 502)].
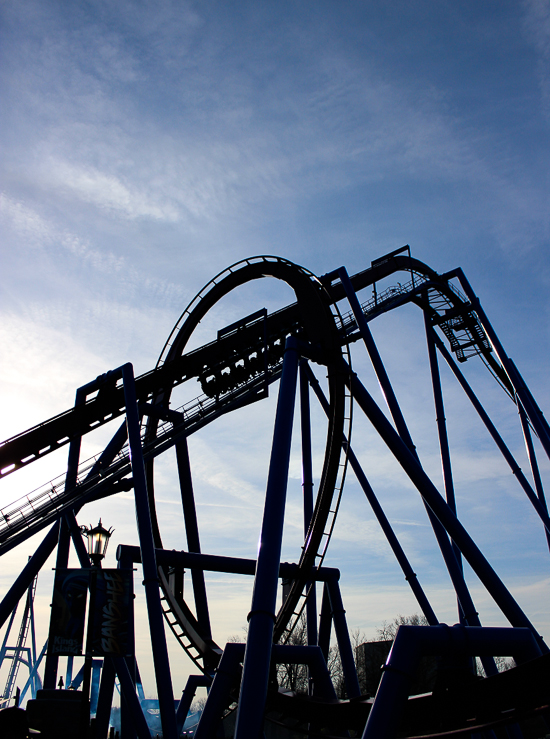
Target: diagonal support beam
[(440, 508), (393, 541), (192, 533)]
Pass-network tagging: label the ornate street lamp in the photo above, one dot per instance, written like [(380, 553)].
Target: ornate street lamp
[(98, 541)]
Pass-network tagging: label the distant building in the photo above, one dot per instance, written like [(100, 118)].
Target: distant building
[(371, 657)]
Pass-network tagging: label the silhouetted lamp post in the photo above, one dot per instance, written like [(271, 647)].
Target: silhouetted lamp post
[(98, 541)]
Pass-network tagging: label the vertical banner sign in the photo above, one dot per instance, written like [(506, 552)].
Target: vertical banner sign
[(113, 613), (68, 612)]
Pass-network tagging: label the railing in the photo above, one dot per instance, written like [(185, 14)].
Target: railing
[(53, 496)]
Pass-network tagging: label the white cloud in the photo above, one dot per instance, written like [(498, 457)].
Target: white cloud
[(106, 191)]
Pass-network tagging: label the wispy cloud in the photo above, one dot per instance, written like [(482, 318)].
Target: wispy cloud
[(106, 191), (537, 26)]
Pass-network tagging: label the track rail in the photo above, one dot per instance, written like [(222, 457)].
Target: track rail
[(450, 310)]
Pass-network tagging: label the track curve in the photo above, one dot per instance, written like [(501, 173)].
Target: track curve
[(318, 328)]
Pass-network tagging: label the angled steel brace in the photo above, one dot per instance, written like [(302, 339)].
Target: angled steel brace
[(440, 508), (393, 541), (193, 682), (536, 503), (533, 411), (192, 533), (533, 462), (453, 566)]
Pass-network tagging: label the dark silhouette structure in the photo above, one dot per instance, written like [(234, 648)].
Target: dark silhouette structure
[(238, 369)]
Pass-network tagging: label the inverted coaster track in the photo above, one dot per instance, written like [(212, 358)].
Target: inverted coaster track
[(237, 370)]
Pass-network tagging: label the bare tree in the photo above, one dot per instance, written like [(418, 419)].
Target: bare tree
[(292, 676), (502, 664), (388, 630), (198, 705)]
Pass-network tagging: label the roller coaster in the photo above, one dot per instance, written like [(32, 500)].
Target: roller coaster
[(288, 346)]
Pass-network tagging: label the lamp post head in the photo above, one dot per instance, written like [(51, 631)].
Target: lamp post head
[(98, 540)]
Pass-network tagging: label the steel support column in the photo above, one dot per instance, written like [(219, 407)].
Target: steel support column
[(61, 562), (441, 423), (105, 699), (307, 490), (325, 623), (192, 533), (453, 566), (226, 672), (533, 462), (410, 575), (150, 573), (438, 505), (127, 730), (127, 689), (516, 470), (262, 614), (533, 411), (193, 682), (63, 544), (342, 635)]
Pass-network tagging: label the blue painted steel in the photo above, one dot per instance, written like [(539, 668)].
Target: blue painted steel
[(94, 691), (6, 635), (78, 542), (69, 671), (46, 547), (262, 615), (127, 726), (342, 636), (439, 506), (410, 575), (227, 672), (27, 624), (536, 503), (307, 489), (33, 675), (63, 543), (223, 680), (192, 533), (193, 682), (313, 657), (61, 561), (34, 654), (325, 623), (441, 424), (376, 360), (533, 411), (77, 679), (412, 642), (453, 566), (128, 692), (215, 563), (533, 463), (127, 729), (540, 424), (150, 581), (105, 699)]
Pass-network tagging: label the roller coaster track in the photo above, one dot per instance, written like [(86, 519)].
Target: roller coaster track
[(450, 310), (234, 371)]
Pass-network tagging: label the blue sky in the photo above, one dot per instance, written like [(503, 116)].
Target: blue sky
[(146, 146)]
